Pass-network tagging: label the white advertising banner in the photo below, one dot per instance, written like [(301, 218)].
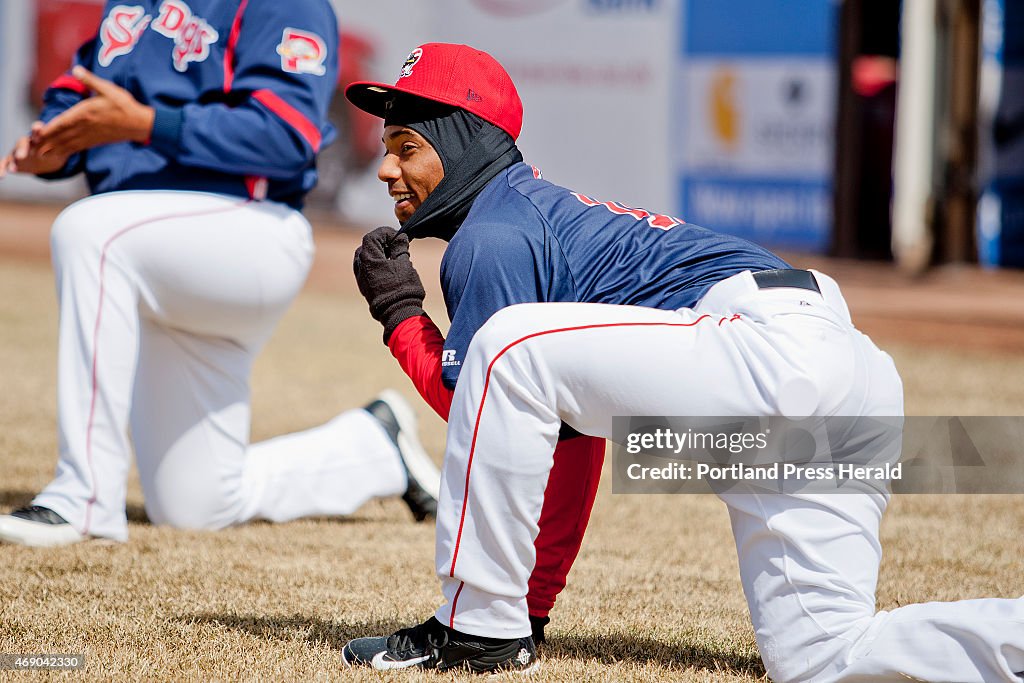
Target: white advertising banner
[(594, 76)]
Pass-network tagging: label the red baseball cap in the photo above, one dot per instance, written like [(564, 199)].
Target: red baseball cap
[(458, 75)]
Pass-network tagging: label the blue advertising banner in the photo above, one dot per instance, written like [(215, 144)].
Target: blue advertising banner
[(757, 99), (1001, 110)]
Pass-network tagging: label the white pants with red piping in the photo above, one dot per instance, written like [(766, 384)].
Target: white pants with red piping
[(808, 561), (165, 300)]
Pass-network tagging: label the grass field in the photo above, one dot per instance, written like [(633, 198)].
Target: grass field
[(654, 596)]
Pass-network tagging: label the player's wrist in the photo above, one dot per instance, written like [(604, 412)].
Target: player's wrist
[(165, 134), (143, 120), (398, 314)]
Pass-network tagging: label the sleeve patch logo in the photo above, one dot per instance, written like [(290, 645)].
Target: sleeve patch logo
[(120, 31), (302, 52), (410, 62)]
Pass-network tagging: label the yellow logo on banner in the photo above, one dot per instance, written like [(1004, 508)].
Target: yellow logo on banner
[(723, 112)]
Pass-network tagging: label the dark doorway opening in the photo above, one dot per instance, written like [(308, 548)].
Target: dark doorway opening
[(869, 45)]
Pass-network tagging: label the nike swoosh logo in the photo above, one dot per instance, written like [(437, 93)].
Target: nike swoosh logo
[(380, 664)]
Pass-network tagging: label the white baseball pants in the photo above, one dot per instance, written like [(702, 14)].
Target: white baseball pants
[(165, 300), (808, 562)]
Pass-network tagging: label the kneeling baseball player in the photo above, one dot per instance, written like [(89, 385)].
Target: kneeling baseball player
[(725, 328), (197, 131)]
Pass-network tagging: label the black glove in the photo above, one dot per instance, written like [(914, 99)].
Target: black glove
[(387, 279)]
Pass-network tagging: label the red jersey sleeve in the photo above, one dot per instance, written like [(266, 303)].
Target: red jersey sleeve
[(417, 344)]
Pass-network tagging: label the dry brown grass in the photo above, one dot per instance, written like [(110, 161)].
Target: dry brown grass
[(655, 595)]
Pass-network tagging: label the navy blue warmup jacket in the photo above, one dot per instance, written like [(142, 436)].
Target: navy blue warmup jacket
[(240, 87)]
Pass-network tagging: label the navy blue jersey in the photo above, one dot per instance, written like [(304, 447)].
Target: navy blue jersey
[(526, 240), (240, 89)]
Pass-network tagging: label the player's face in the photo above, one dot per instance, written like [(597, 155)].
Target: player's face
[(411, 168)]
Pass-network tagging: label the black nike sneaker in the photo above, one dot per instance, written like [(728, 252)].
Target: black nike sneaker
[(399, 421), (432, 645)]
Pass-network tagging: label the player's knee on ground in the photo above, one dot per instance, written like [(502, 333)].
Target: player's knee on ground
[(205, 504), (806, 653)]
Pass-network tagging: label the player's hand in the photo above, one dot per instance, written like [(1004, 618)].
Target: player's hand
[(387, 279), (111, 115), (25, 157)]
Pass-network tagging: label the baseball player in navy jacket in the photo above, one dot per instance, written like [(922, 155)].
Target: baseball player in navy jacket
[(197, 124), (571, 310)]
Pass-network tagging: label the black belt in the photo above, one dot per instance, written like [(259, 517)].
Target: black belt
[(801, 279)]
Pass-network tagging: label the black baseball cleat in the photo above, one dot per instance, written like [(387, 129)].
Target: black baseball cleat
[(399, 421), (37, 526), (432, 645)]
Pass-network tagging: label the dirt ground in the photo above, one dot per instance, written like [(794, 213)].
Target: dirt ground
[(654, 596)]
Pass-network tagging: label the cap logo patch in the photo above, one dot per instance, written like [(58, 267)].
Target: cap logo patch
[(410, 62), (471, 96)]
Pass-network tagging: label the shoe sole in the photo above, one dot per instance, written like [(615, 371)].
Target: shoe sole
[(417, 462), (528, 671)]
